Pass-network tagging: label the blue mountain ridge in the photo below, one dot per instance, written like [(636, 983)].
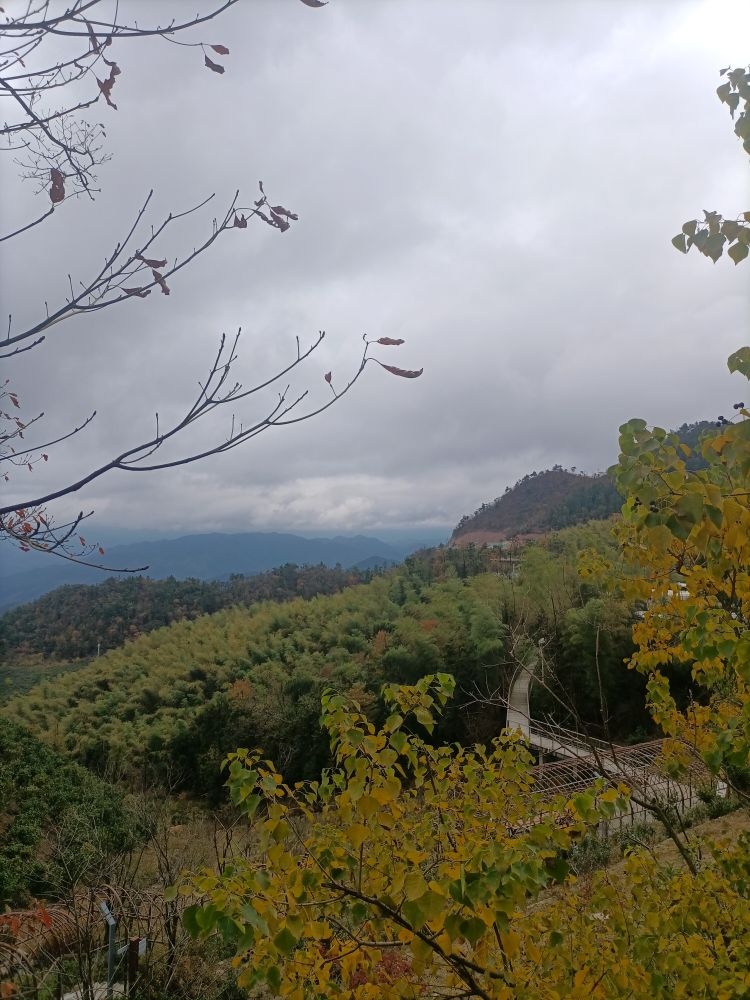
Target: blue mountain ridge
[(213, 556)]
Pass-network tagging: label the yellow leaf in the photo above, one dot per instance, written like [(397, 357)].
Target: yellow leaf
[(387, 792), (357, 834), (511, 943), (414, 885), (581, 977), (367, 806)]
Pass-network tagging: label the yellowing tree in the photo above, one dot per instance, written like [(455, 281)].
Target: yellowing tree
[(418, 871), (687, 536), (406, 867)]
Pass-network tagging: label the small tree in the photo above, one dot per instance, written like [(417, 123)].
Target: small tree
[(405, 865), (48, 126), (687, 533)]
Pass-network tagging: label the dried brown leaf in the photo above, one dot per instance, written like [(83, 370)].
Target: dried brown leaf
[(221, 49), (149, 262), (57, 189), (389, 341), (214, 66), (106, 85), (240, 222), (327, 377), (280, 221), (402, 371), (159, 279), (140, 292), (280, 210)]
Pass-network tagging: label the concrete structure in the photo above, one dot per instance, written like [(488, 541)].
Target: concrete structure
[(580, 760)]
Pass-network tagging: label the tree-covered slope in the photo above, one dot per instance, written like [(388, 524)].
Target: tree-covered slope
[(538, 503), (252, 674), (557, 498), (58, 821), (76, 620), (169, 705)]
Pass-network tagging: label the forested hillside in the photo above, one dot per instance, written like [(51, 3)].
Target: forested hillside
[(540, 502), (170, 705), (557, 498), (74, 621), (57, 820)]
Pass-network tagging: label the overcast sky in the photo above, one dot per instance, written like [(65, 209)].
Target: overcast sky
[(495, 182)]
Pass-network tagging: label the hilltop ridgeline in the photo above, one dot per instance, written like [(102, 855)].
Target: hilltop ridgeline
[(556, 498), (538, 503)]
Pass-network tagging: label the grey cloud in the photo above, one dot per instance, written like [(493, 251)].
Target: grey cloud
[(496, 183)]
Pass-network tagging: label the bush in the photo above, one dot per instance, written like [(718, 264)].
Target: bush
[(590, 853)]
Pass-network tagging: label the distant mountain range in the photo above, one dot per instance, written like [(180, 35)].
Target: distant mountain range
[(538, 503), (204, 557)]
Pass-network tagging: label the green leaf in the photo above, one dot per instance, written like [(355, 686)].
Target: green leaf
[(738, 252), (679, 242), (250, 805), (393, 722), (190, 921), (273, 978), (473, 929), (414, 885), (740, 361), (558, 869), (690, 507), (432, 904), (714, 246), (724, 91), (253, 918), (285, 941), (399, 741), (424, 718), (731, 229), (679, 526), (583, 803), (701, 238), (414, 913), (715, 514)]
